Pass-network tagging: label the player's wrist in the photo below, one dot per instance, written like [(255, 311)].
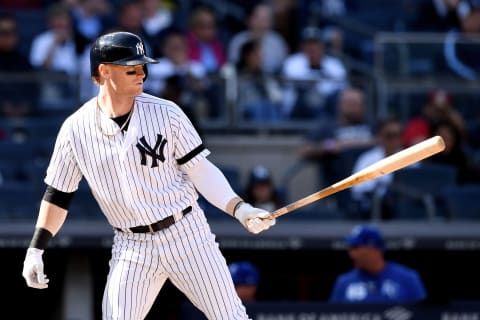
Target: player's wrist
[(233, 205), (237, 206), (243, 212), (34, 252), (41, 238)]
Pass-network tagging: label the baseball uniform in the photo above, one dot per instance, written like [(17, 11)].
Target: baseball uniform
[(144, 173)]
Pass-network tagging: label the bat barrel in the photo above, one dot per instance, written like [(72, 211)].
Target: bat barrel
[(396, 161)]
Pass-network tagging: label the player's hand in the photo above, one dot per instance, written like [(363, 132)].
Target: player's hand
[(33, 269), (254, 219)]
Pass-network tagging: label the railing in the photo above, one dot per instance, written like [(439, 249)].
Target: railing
[(219, 106), (409, 65)]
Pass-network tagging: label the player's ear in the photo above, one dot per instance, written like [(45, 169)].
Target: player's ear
[(104, 71)]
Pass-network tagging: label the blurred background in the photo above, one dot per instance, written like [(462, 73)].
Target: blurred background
[(290, 96)]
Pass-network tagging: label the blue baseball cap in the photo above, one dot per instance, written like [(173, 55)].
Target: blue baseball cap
[(244, 272), (365, 235)]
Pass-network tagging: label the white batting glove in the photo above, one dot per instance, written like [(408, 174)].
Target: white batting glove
[(253, 219), (33, 269)]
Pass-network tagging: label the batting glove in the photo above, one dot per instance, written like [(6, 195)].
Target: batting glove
[(33, 269), (253, 219)]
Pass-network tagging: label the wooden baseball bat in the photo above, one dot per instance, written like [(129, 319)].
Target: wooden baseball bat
[(387, 165)]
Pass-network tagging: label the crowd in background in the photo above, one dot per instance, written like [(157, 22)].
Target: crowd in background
[(292, 61), (292, 58)]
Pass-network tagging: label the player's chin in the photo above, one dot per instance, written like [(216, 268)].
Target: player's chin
[(138, 87)]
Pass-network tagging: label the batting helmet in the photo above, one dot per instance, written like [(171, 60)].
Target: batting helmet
[(244, 273), (121, 48)]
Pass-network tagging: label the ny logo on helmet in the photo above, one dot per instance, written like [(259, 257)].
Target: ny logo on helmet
[(140, 49)]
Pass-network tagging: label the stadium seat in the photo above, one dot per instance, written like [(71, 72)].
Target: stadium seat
[(422, 186), (314, 212), (18, 152), (427, 177), (233, 176), (462, 202), (18, 202), (84, 205), (10, 172)]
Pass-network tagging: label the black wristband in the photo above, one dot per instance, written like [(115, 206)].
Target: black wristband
[(40, 238), (237, 206)]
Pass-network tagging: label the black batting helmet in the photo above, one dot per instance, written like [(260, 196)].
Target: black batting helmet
[(121, 48)]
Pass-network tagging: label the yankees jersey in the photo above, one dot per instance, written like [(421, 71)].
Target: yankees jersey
[(136, 177)]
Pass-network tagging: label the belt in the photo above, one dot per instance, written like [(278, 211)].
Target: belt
[(159, 225)]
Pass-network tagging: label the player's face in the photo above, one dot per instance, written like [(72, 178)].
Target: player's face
[(246, 292), (361, 256), (126, 80)]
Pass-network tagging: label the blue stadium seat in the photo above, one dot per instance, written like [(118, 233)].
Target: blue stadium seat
[(427, 177), (19, 152), (463, 202), (11, 172), (422, 186), (314, 212), (233, 176), (84, 205), (19, 202)]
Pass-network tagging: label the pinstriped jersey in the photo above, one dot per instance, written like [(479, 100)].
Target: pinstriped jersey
[(136, 177)]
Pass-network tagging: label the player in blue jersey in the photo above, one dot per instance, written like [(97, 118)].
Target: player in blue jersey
[(374, 279)]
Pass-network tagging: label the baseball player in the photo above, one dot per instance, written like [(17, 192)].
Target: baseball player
[(144, 163)]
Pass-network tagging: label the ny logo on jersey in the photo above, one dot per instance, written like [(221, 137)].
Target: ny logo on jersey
[(157, 152), (140, 49)]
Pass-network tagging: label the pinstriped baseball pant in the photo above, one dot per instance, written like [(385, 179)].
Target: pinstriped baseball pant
[(187, 254)]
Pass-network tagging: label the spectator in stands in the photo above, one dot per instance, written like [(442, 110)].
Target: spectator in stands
[(130, 19), (461, 54), (15, 100), (273, 49), (246, 279), (261, 96), (203, 43), (438, 108), (374, 279), (331, 138), (389, 141), (90, 19), (175, 90), (458, 19), (261, 190), (326, 14), (319, 76), (454, 154), (174, 61), (55, 48), (54, 52), (441, 15), (157, 18)]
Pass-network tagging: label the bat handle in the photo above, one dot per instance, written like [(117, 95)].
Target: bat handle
[(277, 213)]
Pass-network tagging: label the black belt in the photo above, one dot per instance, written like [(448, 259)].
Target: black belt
[(157, 226)]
